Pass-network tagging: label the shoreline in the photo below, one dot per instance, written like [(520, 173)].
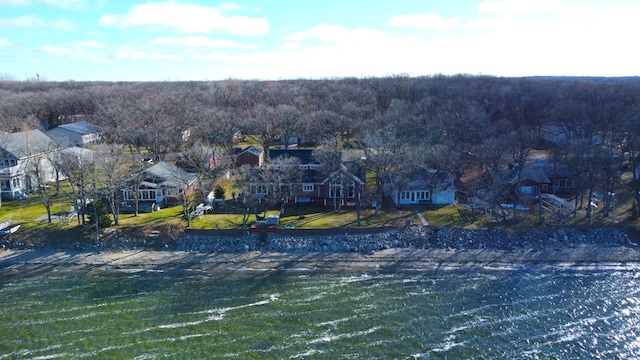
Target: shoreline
[(395, 260)]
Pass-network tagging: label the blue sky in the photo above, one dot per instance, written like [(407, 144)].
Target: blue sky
[(109, 40)]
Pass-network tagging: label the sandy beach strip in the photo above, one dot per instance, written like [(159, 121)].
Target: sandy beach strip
[(391, 260)]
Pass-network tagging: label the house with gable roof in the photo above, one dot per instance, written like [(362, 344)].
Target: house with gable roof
[(160, 185), (313, 186), (22, 154), (250, 155), (539, 177), (80, 133), (421, 187)]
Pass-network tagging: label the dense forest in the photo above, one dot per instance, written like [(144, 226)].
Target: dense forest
[(450, 123)]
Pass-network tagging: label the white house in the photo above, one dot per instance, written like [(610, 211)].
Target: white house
[(421, 187), (22, 154)]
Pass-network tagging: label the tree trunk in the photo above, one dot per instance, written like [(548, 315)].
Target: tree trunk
[(358, 208), (97, 224)]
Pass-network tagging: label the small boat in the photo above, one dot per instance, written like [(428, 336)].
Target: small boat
[(10, 230)]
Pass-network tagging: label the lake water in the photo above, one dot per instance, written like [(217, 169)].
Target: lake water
[(526, 313)]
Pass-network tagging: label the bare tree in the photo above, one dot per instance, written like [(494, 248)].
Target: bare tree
[(40, 183), (111, 168), (78, 167), (197, 181)]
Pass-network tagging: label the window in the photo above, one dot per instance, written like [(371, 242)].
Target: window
[(259, 189), (335, 189), (307, 187), (351, 189), (173, 192), (6, 184)]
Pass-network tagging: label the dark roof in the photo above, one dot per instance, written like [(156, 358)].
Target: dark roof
[(425, 179), (305, 155), (81, 127), (251, 149), (540, 172)]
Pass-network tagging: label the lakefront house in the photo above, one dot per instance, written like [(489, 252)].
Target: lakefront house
[(25, 156)]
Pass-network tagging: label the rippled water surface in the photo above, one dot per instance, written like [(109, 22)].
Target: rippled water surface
[(524, 314)]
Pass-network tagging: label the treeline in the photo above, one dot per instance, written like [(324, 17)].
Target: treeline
[(444, 122)]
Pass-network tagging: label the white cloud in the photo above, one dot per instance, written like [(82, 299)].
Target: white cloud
[(186, 18), (323, 32), (15, 3), (60, 4), (23, 22), (4, 42), (161, 56), (89, 44), (200, 42), (62, 24), (424, 21), (227, 6), (55, 49), (130, 52), (33, 21), (67, 4), (335, 34), (528, 7), (292, 45)]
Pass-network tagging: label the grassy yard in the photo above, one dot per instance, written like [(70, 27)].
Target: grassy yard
[(31, 215), (309, 217)]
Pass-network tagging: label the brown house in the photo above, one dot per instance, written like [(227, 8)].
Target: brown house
[(540, 177), (340, 187), (251, 156)]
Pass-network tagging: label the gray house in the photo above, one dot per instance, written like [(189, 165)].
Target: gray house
[(22, 154), (79, 133), (421, 187), (160, 185)]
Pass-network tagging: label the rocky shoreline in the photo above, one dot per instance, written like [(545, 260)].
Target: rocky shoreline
[(410, 249), (410, 237)]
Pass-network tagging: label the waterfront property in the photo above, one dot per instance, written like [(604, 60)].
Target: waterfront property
[(160, 185), (25, 156), (538, 177), (311, 187), (421, 188)]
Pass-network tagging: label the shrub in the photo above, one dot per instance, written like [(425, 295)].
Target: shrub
[(101, 209), (218, 192)]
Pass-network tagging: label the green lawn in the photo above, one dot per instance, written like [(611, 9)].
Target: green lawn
[(31, 215), (308, 217)]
